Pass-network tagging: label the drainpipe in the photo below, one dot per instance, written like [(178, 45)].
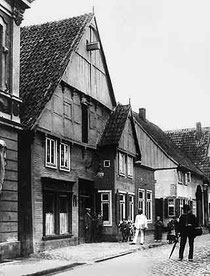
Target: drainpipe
[(3, 152)]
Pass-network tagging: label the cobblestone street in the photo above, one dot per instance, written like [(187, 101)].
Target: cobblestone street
[(153, 261)]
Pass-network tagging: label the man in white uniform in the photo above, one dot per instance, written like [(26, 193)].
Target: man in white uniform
[(140, 225)]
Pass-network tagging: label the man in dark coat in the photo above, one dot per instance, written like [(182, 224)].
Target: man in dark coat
[(186, 228), (88, 225)]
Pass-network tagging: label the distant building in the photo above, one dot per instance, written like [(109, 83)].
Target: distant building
[(194, 143)]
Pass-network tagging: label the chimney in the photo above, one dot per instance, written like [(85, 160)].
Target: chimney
[(142, 113), (198, 130)]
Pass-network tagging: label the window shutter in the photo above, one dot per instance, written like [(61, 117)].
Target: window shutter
[(98, 202), (117, 208), (166, 208), (127, 206), (177, 207)]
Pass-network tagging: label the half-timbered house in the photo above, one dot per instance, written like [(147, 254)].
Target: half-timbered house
[(67, 98)]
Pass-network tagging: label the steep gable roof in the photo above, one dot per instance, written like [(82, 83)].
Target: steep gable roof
[(45, 53), (115, 126), (194, 144), (166, 144)]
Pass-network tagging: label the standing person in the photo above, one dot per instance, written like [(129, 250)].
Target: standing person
[(186, 228), (158, 229), (140, 225), (99, 226), (88, 225)]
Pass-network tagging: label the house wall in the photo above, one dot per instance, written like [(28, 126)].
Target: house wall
[(144, 180), (86, 71), (9, 124), (166, 183), (152, 155)]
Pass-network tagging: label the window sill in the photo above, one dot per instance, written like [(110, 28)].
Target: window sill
[(56, 237)]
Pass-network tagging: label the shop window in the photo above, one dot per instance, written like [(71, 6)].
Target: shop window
[(51, 153), (130, 166), (106, 207), (122, 206), (64, 157), (171, 207), (149, 206), (57, 214), (122, 166), (141, 199)]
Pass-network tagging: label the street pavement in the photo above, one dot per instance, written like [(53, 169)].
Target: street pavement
[(153, 254)]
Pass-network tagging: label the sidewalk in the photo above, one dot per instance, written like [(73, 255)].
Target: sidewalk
[(64, 258)]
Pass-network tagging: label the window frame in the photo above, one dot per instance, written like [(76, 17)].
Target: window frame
[(57, 219), (171, 205), (109, 202), (63, 167), (50, 164), (131, 207), (122, 163), (129, 166), (149, 205), (141, 201), (122, 206)]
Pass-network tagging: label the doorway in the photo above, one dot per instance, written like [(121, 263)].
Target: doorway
[(86, 200)]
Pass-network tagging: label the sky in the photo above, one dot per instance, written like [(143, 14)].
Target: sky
[(157, 52)]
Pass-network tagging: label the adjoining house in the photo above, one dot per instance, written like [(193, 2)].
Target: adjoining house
[(194, 143), (67, 98), (11, 16), (118, 152), (178, 180)]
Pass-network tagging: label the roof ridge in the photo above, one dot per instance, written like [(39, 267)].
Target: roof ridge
[(57, 21)]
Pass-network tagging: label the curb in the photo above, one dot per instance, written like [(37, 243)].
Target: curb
[(67, 267), (53, 270)]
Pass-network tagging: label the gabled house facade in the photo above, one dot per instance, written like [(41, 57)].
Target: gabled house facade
[(67, 98), (118, 152), (11, 16), (194, 143), (177, 179)]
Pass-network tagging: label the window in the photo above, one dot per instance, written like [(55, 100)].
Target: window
[(141, 200), (106, 207), (180, 177), (57, 214), (122, 206), (51, 153), (64, 157), (130, 166), (194, 207), (149, 206), (131, 207), (106, 163), (122, 167), (84, 123), (187, 178), (181, 204), (171, 207), (67, 110)]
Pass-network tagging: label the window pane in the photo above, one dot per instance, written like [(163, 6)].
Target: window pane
[(105, 197), (48, 150), (105, 211), (49, 210), (52, 152), (63, 214)]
